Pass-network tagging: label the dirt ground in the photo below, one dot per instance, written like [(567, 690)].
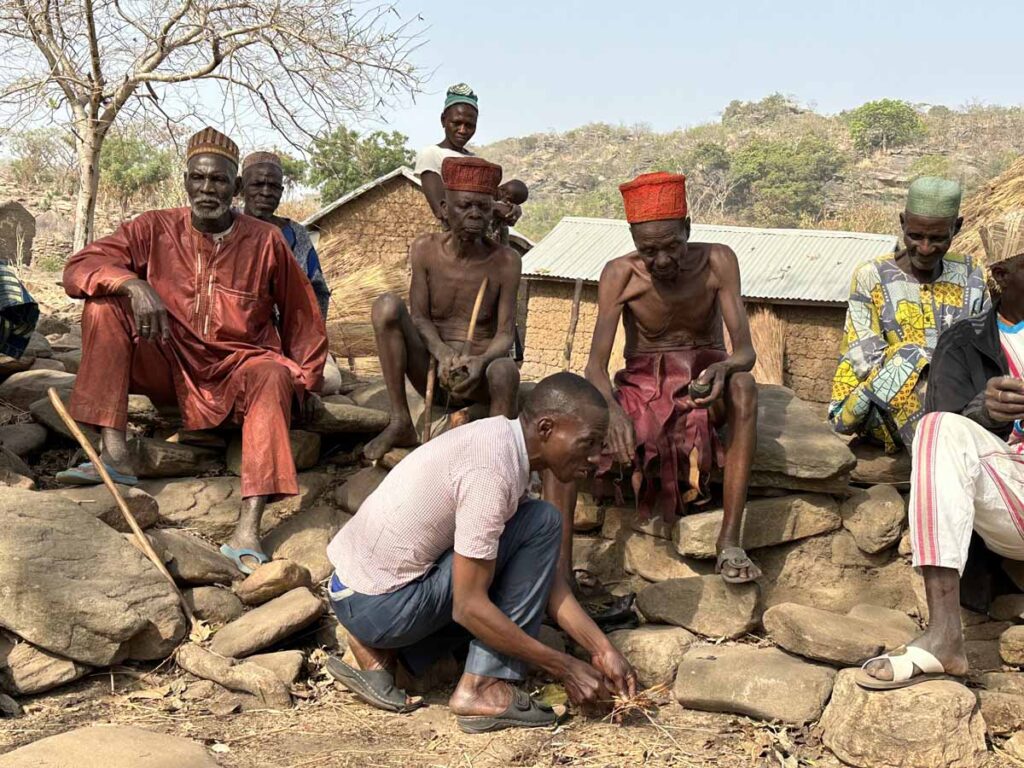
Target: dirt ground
[(329, 729)]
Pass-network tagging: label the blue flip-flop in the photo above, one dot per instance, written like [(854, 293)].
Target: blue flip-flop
[(236, 555), (86, 474)]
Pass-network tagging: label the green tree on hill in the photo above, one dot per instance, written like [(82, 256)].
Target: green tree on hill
[(782, 182), (130, 165), (343, 161), (767, 110), (884, 124)]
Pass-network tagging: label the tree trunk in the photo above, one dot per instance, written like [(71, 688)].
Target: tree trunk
[(88, 142)]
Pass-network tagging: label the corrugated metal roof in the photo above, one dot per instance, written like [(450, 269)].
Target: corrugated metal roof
[(407, 172), (779, 264)]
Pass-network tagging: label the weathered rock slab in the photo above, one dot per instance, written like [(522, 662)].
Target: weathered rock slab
[(356, 489), (766, 522), (272, 580), (588, 515), (287, 665), (875, 517), (23, 389), (235, 675), (846, 552), (190, 560), (654, 651), (336, 418), (1011, 646), (1007, 608), (657, 560), (98, 502), (210, 505), (876, 467), (829, 637), (764, 683), (25, 669), (303, 539), (214, 605), (110, 746), (160, 458), (902, 728), (23, 439), (268, 624), (83, 591), (702, 604), (1003, 712)]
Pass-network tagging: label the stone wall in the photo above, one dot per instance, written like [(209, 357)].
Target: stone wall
[(812, 338)]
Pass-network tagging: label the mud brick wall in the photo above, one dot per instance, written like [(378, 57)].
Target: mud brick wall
[(812, 348), (812, 337)]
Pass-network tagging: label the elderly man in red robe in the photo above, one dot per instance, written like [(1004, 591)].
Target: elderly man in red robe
[(179, 307)]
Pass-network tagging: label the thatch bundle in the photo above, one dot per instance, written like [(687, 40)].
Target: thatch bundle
[(1004, 193), (352, 297), (768, 334)]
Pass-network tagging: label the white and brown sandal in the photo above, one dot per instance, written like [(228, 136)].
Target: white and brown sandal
[(914, 665)]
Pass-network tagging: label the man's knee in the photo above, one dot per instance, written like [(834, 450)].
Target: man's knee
[(547, 521), (743, 393), (948, 434), (387, 310), (268, 375), (502, 375)]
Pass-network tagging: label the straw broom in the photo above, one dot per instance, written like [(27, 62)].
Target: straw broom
[(768, 333)]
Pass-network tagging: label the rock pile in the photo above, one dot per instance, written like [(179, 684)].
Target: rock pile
[(79, 594)]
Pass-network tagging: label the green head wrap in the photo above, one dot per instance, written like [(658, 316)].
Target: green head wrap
[(934, 197), (460, 93)]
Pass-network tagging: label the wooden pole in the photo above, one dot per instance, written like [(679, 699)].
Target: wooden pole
[(428, 400), (574, 319), (147, 548), (468, 345)]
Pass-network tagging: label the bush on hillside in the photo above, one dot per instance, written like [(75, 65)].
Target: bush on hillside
[(343, 160), (884, 124), (767, 110), (781, 182)]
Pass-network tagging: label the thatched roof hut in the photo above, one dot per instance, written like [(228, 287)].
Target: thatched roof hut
[(1003, 193)]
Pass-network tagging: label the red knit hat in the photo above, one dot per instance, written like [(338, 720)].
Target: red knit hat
[(470, 174), (654, 196)]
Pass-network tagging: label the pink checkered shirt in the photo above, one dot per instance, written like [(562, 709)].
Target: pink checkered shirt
[(457, 491)]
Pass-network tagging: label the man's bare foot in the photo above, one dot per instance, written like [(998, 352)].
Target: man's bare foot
[(477, 695), (397, 434), (947, 647)]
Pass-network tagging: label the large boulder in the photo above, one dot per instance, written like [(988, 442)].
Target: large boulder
[(98, 502), (846, 552), (76, 588), (25, 669), (23, 389), (831, 637), (110, 746), (764, 683), (351, 495), (656, 560), (305, 451), (702, 604), (268, 624), (210, 505), (875, 517), (803, 572), (796, 449), (935, 723), (600, 559), (654, 651), (876, 467), (766, 522), (303, 539), (190, 560)]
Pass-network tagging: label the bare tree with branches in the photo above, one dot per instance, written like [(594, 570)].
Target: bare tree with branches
[(300, 65)]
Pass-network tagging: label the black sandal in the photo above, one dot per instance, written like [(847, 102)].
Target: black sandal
[(376, 687), (522, 712)]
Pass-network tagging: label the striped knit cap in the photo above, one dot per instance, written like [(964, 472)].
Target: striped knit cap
[(260, 158), (210, 141), (460, 93)]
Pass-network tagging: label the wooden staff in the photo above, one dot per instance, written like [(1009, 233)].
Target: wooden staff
[(467, 345), (574, 319), (428, 401), (147, 548)]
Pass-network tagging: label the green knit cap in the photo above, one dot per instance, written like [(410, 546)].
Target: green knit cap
[(460, 93), (934, 197)]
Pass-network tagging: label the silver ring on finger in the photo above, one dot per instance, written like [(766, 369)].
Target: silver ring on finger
[(999, 396)]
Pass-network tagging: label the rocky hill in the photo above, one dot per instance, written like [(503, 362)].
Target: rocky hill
[(811, 166)]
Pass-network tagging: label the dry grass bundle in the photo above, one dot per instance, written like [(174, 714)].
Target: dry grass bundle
[(353, 294), (1004, 193), (768, 332), (644, 704)]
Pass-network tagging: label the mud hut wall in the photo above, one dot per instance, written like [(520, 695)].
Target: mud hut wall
[(812, 348), (812, 337)]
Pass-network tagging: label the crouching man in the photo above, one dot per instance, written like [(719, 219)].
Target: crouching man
[(447, 546), (968, 471)]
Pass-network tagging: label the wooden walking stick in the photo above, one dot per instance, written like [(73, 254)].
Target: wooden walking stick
[(574, 318), (428, 401), (147, 548), (458, 419)]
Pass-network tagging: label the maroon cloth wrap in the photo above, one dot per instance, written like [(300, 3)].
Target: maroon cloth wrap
[(653, 390)]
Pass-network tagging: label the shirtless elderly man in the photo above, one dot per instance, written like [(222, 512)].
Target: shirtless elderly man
[(447, 271), (679, 384)]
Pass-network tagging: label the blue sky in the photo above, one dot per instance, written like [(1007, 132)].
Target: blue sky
[(554, 65)]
